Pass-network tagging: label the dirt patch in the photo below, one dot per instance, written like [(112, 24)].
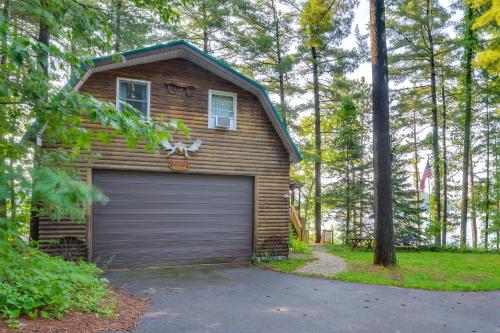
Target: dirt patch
[(395, 275), (129, 311), (472, 279)]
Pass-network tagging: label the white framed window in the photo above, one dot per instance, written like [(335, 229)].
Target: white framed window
[(222, 110), (133, 92)]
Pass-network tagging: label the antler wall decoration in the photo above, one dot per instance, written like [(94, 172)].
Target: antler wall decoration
[(172, 88), (180, 147)]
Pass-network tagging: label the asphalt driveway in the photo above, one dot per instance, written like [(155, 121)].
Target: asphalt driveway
[(249, 299)]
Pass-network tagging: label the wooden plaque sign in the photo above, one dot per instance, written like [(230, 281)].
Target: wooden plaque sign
[(179, 165)]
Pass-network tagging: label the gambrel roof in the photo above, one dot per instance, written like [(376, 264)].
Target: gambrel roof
[(184, 50)]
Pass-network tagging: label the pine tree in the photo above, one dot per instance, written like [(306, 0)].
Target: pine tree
[(261, 37), (323, 22), (342, 159), (316, 21), (132, 27), (406, 214), (487, 24), (406, 120), (202, 22), (417, 31), (444, 226), (469, 42)]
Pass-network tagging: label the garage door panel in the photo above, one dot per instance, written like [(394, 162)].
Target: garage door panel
[(156, 219), (160, 254), (187, 229), (175, 198), (174, 235), (154, 260), (174, 208), (158, 181), (174, 218), (157, 247), (173, 190)]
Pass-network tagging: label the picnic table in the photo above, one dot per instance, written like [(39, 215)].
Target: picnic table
[(361, 241)]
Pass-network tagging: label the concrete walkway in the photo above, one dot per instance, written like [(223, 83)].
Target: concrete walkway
[(326, 264), (249, 299)]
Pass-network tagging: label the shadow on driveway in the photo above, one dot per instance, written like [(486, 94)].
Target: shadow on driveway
[(249, 299)]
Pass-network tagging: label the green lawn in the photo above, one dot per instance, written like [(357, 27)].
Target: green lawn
[(425, 269), (289, 265)]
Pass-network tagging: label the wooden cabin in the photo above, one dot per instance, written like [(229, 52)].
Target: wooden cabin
[(224, 200)]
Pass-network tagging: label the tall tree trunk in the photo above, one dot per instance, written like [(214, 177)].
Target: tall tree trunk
[(206, 34), (5, 14), (317, 136), (444, 227), (348, 204), (43, 63), (488, 184), (3, 62), (467, 123), (361, 206), (384, 253), (362, 180), (12, 188), (353, 201), (281, 76), (44, 38), (283, 108), (435, 132), (497, 189), (205, 40), (118, 27), (416, 178), (473, 205)]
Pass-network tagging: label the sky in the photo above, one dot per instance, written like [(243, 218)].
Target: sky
[(361, 19)]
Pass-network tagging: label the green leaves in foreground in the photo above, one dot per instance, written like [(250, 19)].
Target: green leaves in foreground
[(35, 284)]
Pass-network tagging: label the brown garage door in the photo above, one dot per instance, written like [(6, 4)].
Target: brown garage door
[(155, 219)]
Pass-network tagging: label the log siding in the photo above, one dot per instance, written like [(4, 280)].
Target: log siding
[(254, 149)]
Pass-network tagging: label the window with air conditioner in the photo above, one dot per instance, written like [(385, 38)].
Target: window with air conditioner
[(221, 110)]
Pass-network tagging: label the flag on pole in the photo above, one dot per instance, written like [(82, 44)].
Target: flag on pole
[(427, 174)]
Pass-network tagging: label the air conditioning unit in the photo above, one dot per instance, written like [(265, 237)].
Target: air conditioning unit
[(222, 122)]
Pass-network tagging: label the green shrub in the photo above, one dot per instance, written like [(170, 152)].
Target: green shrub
[(35, 284), (298, 246)]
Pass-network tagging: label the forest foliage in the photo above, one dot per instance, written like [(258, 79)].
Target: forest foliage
[(444, 94), (307, 53)]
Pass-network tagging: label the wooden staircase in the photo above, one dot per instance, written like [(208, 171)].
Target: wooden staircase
[(298, 226)]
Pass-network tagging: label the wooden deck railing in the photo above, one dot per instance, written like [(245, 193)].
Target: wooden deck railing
[(298, 226)]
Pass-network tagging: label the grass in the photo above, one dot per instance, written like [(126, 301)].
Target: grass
[(425, 269), (289, 265), (298, 246)]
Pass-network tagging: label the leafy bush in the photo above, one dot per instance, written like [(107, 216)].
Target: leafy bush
[(35, 284), (298, 246)]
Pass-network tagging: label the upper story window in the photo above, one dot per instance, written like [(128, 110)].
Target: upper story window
[(133, 92), (221, 110)]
